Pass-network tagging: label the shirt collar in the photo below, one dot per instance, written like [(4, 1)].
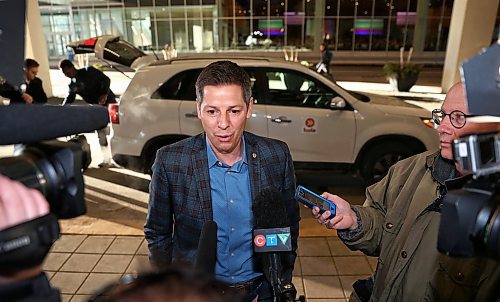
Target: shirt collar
[(213, 160)]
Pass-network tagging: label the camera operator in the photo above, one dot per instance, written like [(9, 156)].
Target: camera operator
[(400, 219), (19, 204)]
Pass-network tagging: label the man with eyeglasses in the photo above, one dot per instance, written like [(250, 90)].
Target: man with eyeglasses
[(399, 223)]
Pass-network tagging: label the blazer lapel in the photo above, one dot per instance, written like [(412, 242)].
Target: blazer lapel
[(253, 160), (201, 174)]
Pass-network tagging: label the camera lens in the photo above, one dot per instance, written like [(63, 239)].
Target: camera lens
[(55, 169)]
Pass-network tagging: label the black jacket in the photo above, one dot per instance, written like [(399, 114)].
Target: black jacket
[(34, 88), (90, 84)]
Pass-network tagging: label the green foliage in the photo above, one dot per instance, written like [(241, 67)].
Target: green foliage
[(398, 71)]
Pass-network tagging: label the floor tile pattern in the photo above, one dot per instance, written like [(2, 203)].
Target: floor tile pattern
[(81, 264)]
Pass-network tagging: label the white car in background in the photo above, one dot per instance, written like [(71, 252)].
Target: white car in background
[(324, 125)]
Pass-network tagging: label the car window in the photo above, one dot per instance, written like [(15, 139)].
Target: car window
[(292, 88), (122, 52), (256, 89), (182, 86), (179, 87)]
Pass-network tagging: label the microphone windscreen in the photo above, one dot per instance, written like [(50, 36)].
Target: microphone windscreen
[(207, 249), (22, 123), (269, 210)]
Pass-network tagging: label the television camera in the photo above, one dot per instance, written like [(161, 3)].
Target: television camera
[(53, 167), (470, 216)]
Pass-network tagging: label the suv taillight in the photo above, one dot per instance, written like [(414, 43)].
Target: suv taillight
[(114, 113)]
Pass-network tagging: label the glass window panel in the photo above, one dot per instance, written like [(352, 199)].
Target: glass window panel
[(180, 36), (296, 5), (164, 29), (310, 7), (260, 8), (345, 34), (347, 7), (331, 8)]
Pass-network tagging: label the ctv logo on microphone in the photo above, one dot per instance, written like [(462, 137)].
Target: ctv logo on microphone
[(272, 240)]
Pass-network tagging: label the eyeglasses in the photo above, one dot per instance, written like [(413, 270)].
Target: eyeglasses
[(457, 117)]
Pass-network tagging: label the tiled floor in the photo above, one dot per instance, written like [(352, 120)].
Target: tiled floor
[(81, 264)]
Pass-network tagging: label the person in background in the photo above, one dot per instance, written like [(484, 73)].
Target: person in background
[(217, 175), (70, 54), (31, 90), (94, 87), (323, 65), (399, 223), (34, 86)]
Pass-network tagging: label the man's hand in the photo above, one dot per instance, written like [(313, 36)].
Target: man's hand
[(102, 99), (27, 98), (19, 204), (345, 217)]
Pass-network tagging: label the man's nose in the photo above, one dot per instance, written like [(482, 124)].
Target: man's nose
[(223, 121), (445, 126)]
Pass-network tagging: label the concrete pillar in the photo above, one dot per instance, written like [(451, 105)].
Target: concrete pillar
[(471, 28), (319, 21), (36, 45), (421, 25)]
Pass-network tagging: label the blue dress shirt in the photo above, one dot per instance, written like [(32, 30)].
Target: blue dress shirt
[(232, 211)]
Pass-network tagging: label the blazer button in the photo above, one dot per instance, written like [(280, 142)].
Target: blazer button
[(460, 276), (389, 225), (404, 254)]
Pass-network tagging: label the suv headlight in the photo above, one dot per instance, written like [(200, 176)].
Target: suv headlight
[(428, 122)]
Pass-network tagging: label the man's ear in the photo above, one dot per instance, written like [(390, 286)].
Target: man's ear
[(198, 108), (250, 108)]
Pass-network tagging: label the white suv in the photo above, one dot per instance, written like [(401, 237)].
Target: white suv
[(324, 125)]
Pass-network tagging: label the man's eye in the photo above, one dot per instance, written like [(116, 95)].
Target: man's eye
[(211, 112), (235, 111)]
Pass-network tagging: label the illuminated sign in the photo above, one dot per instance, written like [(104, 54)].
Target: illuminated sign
[(366, 27), (272, 27)]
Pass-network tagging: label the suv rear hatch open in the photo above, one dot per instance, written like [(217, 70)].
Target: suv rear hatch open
[(114, 49)]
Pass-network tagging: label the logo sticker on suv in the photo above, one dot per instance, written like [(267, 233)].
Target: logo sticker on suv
[(309, 126)]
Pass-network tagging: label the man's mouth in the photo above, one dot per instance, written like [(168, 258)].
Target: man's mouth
[(224, 137)]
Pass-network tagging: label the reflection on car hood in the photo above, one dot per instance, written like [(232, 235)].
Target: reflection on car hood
[(394, 105)]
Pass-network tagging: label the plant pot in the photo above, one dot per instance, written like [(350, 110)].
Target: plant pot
[(403, 83)]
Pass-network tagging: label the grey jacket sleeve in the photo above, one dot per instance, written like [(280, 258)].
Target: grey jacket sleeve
[(368, 236)]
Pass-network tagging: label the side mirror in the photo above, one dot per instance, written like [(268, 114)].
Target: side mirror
[(337, 103)]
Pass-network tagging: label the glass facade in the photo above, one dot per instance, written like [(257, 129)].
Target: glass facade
[(250, 25)]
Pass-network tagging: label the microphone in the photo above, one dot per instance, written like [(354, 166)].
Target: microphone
[(271, 236), (207, 249), (25, 124)]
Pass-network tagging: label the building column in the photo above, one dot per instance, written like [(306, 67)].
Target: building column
[(421, 25), (319, 20), (471, 28), (36, 45)]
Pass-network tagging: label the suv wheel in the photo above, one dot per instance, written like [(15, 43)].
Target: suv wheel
[(378, 159)]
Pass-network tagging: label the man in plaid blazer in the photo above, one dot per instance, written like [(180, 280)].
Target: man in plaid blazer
[(216, 175)]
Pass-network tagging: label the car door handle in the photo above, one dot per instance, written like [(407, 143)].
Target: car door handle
[(191, 115), (281, 119)]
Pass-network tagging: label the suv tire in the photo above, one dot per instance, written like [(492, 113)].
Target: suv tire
[(379, 158)]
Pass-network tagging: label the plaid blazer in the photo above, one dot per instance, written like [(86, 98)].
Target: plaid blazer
[(180, 193)]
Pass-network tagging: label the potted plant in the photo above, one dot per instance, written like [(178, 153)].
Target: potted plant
[(404, 75)]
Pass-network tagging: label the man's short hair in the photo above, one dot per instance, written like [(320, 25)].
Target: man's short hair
[(30, 63), (223, 73), (64, 64), (173, 284)]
